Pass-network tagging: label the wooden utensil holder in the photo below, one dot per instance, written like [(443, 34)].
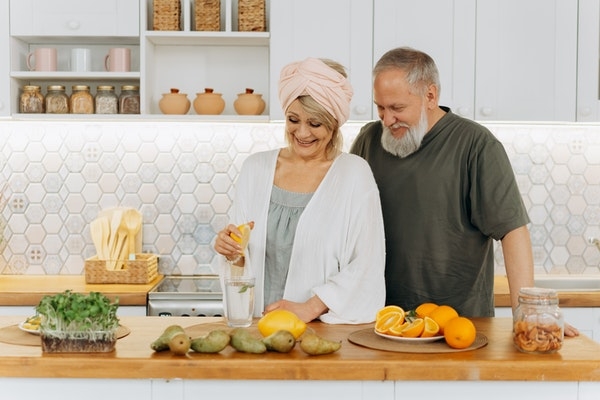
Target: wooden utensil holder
[(144, 269)]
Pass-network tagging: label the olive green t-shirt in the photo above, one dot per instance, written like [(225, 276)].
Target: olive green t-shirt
[(442, 208)]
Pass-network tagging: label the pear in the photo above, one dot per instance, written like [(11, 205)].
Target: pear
[(162, 342), (281, 341), (213, 342), (316, 345), (242, 340)]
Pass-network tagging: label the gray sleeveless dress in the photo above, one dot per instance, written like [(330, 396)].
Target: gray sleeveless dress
[(285, 209)]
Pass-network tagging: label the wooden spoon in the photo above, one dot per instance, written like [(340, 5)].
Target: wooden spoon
[(133, 222), (115, 222), (99, 230)]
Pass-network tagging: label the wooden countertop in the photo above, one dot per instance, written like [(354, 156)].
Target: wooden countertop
[(28, 290), (578, 360), (566, 299)]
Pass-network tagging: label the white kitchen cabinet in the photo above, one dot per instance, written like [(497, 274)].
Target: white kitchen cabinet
[(526, 60), (588, 66), (340, 30), (67, 24), (74, 18), (498, 59), (227, 61), (443, 29), (5, 100)]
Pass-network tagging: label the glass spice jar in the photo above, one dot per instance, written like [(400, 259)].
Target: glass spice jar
[(106, 100), (31, 100), (57, 100), (82, 101), (129, 100), (538, 322)]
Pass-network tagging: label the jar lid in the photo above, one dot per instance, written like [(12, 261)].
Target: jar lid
[(81, 87), (536, 294), (105, 87), (130, 87), (56, 87), (31, 87)]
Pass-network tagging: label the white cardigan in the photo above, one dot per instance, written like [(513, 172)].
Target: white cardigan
[(339, 247)]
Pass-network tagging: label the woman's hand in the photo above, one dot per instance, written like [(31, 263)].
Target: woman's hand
[(307, 311), (225, 245)]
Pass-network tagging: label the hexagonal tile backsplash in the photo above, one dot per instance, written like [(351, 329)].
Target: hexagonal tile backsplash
[(55, 177)]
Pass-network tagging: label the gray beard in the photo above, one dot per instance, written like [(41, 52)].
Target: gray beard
[(407, 144)]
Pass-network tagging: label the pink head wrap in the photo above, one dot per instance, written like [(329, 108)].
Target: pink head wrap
[(316, 79)]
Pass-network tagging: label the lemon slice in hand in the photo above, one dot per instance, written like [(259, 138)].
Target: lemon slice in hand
[(245, 229)]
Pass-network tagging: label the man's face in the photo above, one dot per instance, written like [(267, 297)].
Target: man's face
[(398, 107), (403, 113)]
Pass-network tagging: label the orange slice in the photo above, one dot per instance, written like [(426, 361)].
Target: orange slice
[(389, 309), (413, 329), (386, 322), (396, 330), (431, 328)]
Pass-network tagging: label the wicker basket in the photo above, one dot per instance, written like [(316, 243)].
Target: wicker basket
[(141, 270), (251, 16), (207, 15), (167, 15)]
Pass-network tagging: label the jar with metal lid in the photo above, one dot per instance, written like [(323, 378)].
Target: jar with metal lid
[(82, 101), (106, 100), (129, 100), (57, 100), (538, 322), (31, 100)]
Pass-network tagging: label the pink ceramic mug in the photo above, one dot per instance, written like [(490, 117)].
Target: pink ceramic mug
[(44, 59), (118, 59)]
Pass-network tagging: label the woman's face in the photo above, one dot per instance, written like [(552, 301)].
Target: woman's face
[(308, 137)]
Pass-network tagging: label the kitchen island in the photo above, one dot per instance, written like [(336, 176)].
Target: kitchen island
[(354, 372)]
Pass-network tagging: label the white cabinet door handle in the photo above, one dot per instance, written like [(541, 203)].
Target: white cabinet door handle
[(73, 25), (360, 110), (585, 111), (487, 111), (463, 111)]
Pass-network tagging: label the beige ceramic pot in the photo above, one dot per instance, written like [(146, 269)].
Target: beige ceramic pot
[(249, 103), (174, 103), (209, 103)]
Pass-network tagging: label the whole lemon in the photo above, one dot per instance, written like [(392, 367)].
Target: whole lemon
[(278, 320)]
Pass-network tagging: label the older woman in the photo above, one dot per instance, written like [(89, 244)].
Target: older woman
[(317, 246)]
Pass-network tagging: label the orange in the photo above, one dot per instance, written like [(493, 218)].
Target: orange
[(431, 328), (442, 315), (388, 309), (460, 333), (413, 329), (425, 309), (389, 320)]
